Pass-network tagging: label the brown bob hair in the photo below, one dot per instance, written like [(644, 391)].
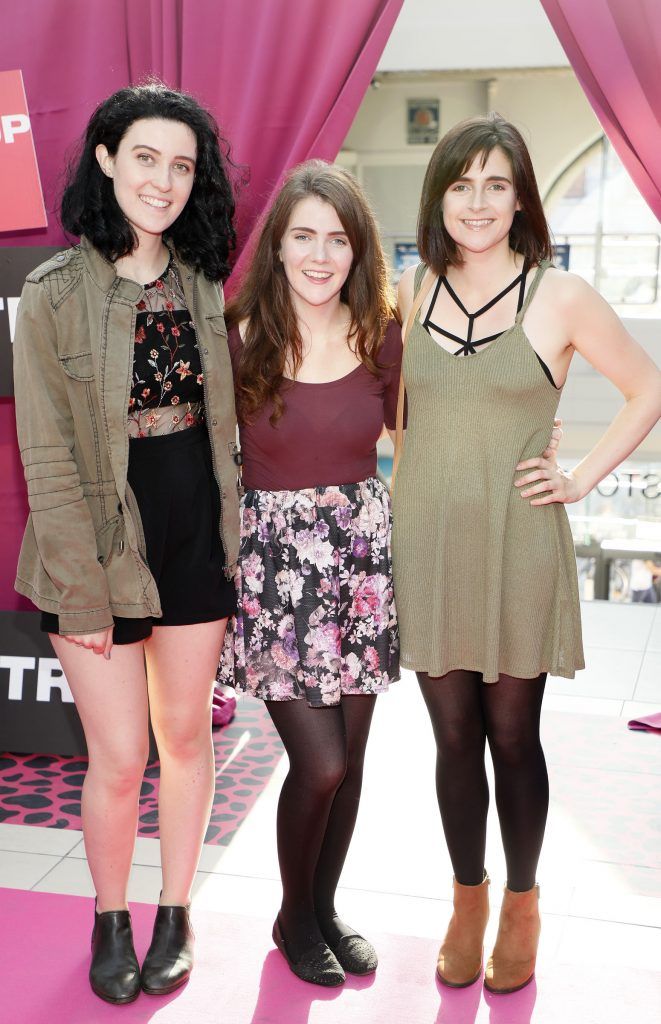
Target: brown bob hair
[(272, 346), (478, 137)]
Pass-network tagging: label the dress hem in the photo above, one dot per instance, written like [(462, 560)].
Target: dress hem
[(240, 691), (554, 670)]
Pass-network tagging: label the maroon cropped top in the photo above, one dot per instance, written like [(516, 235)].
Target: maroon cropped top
[(327, 433)]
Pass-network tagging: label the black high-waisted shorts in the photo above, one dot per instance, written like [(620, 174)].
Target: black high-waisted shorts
[(172, 478)]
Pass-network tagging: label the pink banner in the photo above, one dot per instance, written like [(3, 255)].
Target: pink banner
[(614, 47), (21, 201)]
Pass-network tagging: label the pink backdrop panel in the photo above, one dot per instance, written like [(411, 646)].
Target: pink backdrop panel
[(614, 47), (284, 82), (283, 78)]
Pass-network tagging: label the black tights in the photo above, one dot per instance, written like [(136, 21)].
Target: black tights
[(466, 713), (317, 810)]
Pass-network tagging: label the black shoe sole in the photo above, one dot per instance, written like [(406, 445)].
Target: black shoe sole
[(280, 943), (165, 991), (116, 1002), (356, 974)]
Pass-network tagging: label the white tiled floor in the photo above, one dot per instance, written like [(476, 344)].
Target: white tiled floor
[(600, 870), (648, 686)]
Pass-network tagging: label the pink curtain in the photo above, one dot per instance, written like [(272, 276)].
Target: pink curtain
[(614, 47), (284, 78)]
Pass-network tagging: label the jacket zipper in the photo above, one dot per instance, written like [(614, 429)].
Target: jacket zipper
[(209, 425)]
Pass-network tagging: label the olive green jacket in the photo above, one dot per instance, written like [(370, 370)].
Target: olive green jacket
[(83, 552)]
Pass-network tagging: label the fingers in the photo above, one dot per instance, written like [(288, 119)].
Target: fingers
[(539, 488), (543, 472), (545, 479), (548, 499), (100, 643), (531, 478)]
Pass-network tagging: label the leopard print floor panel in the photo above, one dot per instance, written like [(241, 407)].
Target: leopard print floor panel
[(42, 789)]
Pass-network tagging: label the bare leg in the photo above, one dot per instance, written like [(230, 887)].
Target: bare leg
[(111, 699), (181, 669)]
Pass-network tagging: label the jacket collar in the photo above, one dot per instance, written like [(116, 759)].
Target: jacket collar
[(105, 277)]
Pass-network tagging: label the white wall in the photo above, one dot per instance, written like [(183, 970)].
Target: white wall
[(479, 34), (547, 105)]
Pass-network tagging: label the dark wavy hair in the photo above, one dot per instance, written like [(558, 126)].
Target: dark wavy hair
[(477, 137), (272, 344), (203, 233)]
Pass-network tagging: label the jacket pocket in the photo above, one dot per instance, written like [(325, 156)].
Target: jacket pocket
[(110, 541), (217, 323), (78, 367)]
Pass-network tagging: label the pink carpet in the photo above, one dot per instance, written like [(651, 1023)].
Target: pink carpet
[(241, 979)]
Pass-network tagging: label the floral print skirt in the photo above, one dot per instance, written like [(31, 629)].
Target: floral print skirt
[(316, 614)]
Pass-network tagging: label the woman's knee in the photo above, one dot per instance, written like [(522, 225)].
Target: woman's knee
[(460, 742), (323, 778), (184, 739), (514, 749), (119, 771)]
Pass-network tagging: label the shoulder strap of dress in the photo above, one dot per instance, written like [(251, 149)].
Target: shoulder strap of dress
[(422, 282), (417, 279), (534, 285)]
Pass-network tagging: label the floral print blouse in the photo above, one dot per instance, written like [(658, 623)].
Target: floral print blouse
[(167, 386)]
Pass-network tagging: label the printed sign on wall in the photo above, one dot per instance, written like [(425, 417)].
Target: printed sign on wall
[(21, 198), (422, 122), (37, 713), (15, 265)]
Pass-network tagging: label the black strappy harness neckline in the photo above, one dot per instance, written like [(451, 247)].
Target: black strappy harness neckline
[(468, 346)]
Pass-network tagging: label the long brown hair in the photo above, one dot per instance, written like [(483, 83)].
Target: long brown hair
[(477, 137), (272, 341)]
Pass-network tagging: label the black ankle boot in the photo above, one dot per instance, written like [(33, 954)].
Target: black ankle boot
[(114, 971), (169, 959)]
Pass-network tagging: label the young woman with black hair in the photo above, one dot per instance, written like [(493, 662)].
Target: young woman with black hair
[(484, 567), (126, 425)]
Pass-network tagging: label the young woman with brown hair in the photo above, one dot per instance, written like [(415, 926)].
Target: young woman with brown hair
[(316, 354), (483, 556)]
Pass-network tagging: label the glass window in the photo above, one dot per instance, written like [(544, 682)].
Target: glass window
[(614, 239)]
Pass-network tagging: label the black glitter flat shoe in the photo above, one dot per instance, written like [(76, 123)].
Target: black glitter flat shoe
[(318, 965), (355, 954)]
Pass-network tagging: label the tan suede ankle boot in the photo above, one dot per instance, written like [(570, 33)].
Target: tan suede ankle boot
[(460, 956), (511, 966)]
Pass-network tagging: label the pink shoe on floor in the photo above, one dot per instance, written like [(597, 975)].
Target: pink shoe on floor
[(223, 709)]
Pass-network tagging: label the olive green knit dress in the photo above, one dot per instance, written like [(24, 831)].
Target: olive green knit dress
[(484, 581)]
